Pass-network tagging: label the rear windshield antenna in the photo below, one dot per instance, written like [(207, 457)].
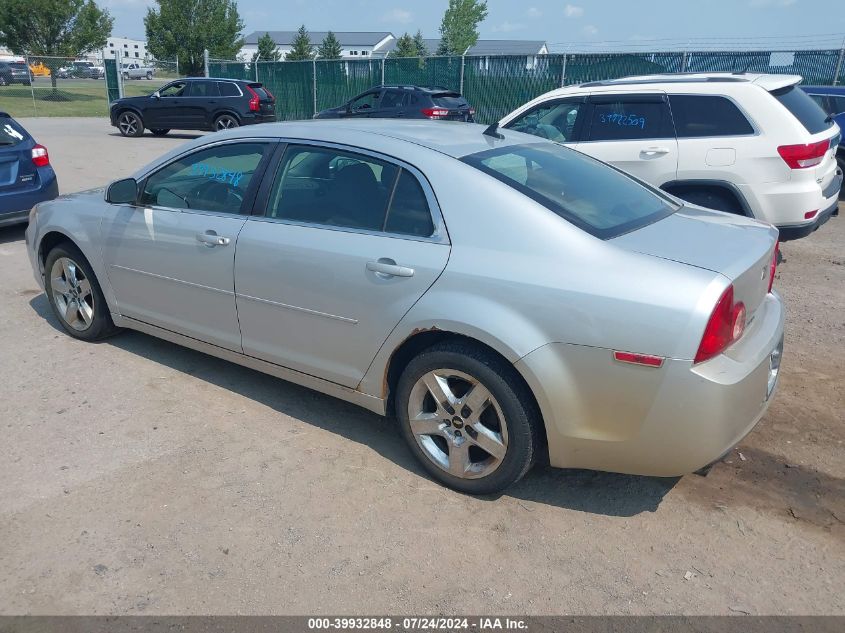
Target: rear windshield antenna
[(493, 130)]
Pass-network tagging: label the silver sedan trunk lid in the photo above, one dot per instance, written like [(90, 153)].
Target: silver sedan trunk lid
[(739, 248)]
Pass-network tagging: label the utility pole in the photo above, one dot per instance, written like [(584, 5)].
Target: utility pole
[(839, 63), (205, 61)]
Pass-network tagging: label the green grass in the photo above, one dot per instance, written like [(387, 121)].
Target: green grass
[(72, 97)]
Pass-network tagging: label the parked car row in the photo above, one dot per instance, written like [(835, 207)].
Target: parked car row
[(549, 287)]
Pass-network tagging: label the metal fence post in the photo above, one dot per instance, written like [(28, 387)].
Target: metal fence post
[(31, 83), (382, 70), (463, 59), (205, 61), (119, 69), (177, 65), (563, 72), (839, 65), (314, 72), (255, 63), (684, 62)]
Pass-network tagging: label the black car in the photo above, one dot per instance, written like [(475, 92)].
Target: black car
[(404, 102), (199, 103), (14, 73)]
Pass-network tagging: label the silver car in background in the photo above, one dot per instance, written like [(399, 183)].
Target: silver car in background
[(508, 299)]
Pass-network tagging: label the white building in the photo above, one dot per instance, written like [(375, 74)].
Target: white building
[(128, 49), (354, 45)]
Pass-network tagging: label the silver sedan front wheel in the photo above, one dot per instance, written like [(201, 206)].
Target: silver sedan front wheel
[(458, 423), (73, 295)]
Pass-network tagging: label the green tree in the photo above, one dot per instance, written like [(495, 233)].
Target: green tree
[(184, 28), (330, 48), (405, 47), (302, 48), (459, 27), (65, 28), (419, 42), (267, 51)]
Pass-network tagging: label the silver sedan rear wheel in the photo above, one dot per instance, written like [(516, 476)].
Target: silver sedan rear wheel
[(72, 293), (458, 424)]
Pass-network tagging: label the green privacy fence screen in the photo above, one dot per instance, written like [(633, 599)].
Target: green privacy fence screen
[(112, 80), (496, 85)]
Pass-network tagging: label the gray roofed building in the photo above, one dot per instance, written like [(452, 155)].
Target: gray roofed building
[(487, 47), (354, 44)]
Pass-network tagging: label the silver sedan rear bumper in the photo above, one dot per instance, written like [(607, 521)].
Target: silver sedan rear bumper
[(669, 421)]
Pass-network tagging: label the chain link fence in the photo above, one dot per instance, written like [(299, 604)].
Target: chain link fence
[(496, 85)]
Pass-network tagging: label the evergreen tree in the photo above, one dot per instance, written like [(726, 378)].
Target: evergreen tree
[(405, 47), (419, 43), (302, 48), (267, 51), (330, 48)]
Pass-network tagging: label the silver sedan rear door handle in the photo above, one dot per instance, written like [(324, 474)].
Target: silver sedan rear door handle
[(385, 267), (655, 151), (210, 238)]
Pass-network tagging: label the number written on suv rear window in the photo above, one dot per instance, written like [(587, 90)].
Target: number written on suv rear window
[(707, 115)]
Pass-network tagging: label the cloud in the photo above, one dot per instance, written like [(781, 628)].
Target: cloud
[(534, 12), (573, 11), (767, 4), (398, 16), (589, 29), (508, 27)]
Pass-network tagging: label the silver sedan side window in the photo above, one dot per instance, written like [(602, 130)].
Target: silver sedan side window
[(336, 188), (212, 179)]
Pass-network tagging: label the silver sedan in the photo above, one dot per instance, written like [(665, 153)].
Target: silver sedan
[(507, 299)]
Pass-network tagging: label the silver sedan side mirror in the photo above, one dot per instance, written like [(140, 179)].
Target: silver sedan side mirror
[(123, 191)]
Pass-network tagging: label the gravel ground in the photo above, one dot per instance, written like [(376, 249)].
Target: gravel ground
[(138, 477)]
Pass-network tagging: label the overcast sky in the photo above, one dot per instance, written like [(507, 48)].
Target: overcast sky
[(611, 23)]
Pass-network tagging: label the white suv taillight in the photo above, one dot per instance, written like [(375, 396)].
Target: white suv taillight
[(804, 156), (40, 157), (726, 325)]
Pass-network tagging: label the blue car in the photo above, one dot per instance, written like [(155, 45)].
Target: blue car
[(26, 177), (832, 101)]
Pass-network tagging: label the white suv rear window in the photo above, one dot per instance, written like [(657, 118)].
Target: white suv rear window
[(803, 108)]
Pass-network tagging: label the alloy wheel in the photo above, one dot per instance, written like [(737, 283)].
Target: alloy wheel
[(226, 122), (128, 123), (458, 423), (72, 294)]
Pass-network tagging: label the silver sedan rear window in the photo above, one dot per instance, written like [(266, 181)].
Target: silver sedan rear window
[(594, 196)]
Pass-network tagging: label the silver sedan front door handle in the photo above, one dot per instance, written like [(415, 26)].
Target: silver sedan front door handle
[(211, 239), (386, 267)]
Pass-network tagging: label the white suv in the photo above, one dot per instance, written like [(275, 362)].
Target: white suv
[(750, 144)]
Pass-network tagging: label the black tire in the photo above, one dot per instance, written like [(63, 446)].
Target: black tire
[(130, 124), (841, 162), (226, 122), (101, 325), (3, 81), (716, 199), (159, 132), (505, 385), (149, 76)]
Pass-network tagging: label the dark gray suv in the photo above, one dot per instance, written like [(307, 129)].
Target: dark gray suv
[(404, 102), (14, 73)]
